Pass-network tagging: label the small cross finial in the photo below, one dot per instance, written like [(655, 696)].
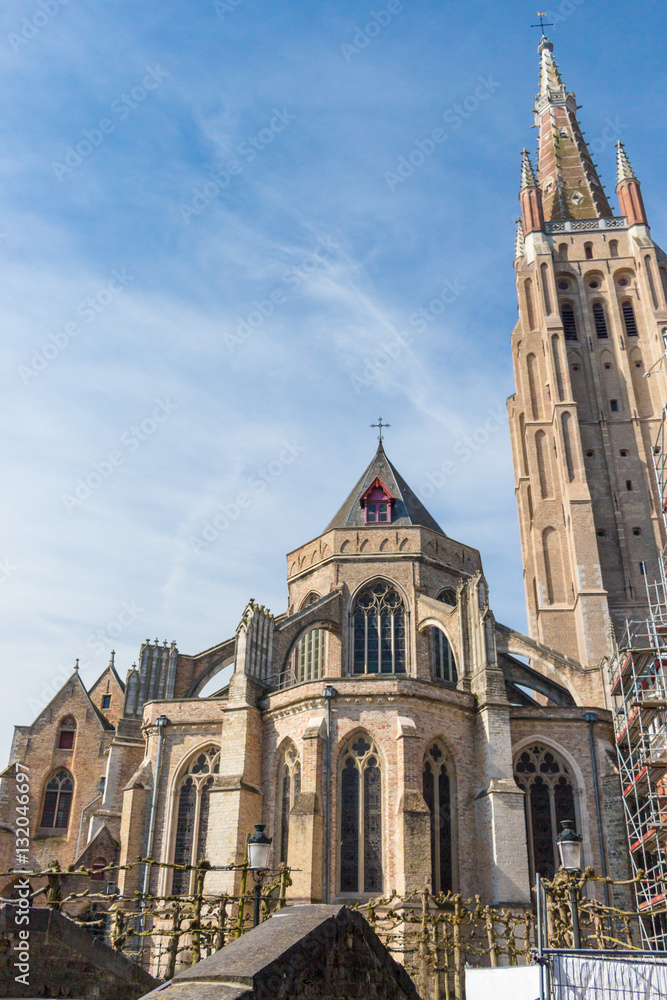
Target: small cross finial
[(543, 24), (380, 425), (76, 663)]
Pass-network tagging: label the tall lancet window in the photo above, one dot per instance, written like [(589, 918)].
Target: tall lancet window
[(361, 818), (58, 800), (288, 790), (307, 662), (379, 631), (569, 321), (628, 311), (192, 812), (444, 664), (437, 788), (549, 800), (600, 320)]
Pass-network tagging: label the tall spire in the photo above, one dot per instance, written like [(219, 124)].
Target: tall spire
[(624, 171), (629, 190), (528, 179), (571, 188), (532, 212), (550, 79)]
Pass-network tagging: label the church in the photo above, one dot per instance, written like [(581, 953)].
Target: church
[(386, 729)]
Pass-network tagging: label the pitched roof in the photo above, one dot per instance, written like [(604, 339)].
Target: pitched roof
[(75, 680), (408, 509)]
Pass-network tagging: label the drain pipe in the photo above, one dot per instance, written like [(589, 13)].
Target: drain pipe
[(160, 722), (329, 693), (591, 719), (100, 789)]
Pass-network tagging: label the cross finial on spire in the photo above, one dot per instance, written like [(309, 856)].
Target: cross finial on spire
[(543, 24), (76, 664), (380, 425)]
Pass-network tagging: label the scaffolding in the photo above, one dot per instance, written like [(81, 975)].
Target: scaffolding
[(638, 675)]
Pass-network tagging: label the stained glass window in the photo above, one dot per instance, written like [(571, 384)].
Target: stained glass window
[(437, 795), (444, 664), (58, 800), (288, 790), (549, 800), (361, 819), (379, 631), (192, 816), (204, 809)]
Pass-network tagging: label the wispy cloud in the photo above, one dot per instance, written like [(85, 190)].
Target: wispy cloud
[(162, 337)]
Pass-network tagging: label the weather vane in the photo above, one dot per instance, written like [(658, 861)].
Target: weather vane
[(380, 425), (543, 24)]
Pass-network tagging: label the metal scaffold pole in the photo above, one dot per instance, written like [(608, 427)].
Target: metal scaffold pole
[(638, 676)]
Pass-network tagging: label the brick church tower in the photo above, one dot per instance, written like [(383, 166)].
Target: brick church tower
[(591, 288)]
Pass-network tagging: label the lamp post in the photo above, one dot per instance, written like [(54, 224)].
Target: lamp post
[(569, 848), (259, 846)]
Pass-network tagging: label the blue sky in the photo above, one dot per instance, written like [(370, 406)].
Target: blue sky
[(175, 340)]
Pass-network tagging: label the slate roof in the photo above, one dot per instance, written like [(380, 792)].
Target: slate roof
[(408, 509)]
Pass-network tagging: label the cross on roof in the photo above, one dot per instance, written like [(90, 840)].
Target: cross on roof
[(380, 425), (542, 24)]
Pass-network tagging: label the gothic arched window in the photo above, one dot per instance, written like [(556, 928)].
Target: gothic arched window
[(58, 800), (444, 664), (379, 631), (569, 321), (308, 659), (628, 311), (438, 797), (361, 818), (549, 800), (447, 596), (193, 801), (309, 655), (288, 790), (600, 320), (66, 733)]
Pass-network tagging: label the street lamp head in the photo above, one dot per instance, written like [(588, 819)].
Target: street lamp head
[(329, 692), (569, 847), (259, 846)]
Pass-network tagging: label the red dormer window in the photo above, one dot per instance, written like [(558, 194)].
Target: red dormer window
[(378, 503)]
